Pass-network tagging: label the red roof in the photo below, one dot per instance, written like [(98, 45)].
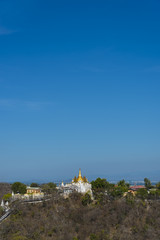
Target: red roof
[(137, 187)]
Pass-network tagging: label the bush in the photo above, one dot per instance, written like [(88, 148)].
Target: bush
[(158, 185), (1, 210), (86, 199), (93, 236), (7, 196), (142, 193), (49, 188)]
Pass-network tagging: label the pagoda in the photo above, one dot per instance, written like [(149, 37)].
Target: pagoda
[(79, 184), (80, 179)]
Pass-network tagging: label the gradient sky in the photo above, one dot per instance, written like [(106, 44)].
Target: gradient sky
[(79, 87)]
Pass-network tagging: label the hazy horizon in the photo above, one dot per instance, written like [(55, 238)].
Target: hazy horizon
[(138, 177)]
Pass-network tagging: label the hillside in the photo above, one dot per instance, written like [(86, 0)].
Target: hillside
[(69, 219), (4, 189)]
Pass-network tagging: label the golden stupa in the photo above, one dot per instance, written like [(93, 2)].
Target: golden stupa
[(80, 178)]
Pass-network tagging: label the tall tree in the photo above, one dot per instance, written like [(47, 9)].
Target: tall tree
[(147, 183), (19, 187), (34, 185)]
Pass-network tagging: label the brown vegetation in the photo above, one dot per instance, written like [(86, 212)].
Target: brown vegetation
[(69, 219), (4, 189)]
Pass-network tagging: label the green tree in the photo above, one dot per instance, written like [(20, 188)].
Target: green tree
[(122, 183), (158, 193), (34, 185), (158, 185), (93, 236), (142, 193), (130, 198), (102, 189), (52, 185), (119, 191), (154, 194), (147, 183), (86, 199), (49, 188), (19, 187), (100, 184)]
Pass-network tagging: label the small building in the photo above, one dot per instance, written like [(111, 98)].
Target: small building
[(31, 193), (33, 190)]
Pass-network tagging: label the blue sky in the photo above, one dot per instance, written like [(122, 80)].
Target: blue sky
[(79, 87)]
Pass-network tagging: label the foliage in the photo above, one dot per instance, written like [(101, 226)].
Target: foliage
[(1, 211), (147, 183), (122, 183), (100, 198), (34, 185), (75, 197), (19, 187), (49, 188), (130, 198), (7, 196), (142, 193), (99, 236), (18, 236), (4, 189), (103, 189), (93, 236), (86, 199), (158, 185), (99, 188), (119, 191), (154, 194), (68, 219), (100, 184)]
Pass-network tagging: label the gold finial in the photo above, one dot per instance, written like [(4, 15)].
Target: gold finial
[(79, 173), (80, 176)]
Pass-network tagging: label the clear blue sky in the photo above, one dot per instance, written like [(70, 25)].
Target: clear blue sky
[(79, 87)]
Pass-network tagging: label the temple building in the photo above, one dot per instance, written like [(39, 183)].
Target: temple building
[(31, 193), (33, 190), (79, 184)]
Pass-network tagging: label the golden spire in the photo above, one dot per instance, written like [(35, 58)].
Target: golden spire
[(79, 173), (80, 176)]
